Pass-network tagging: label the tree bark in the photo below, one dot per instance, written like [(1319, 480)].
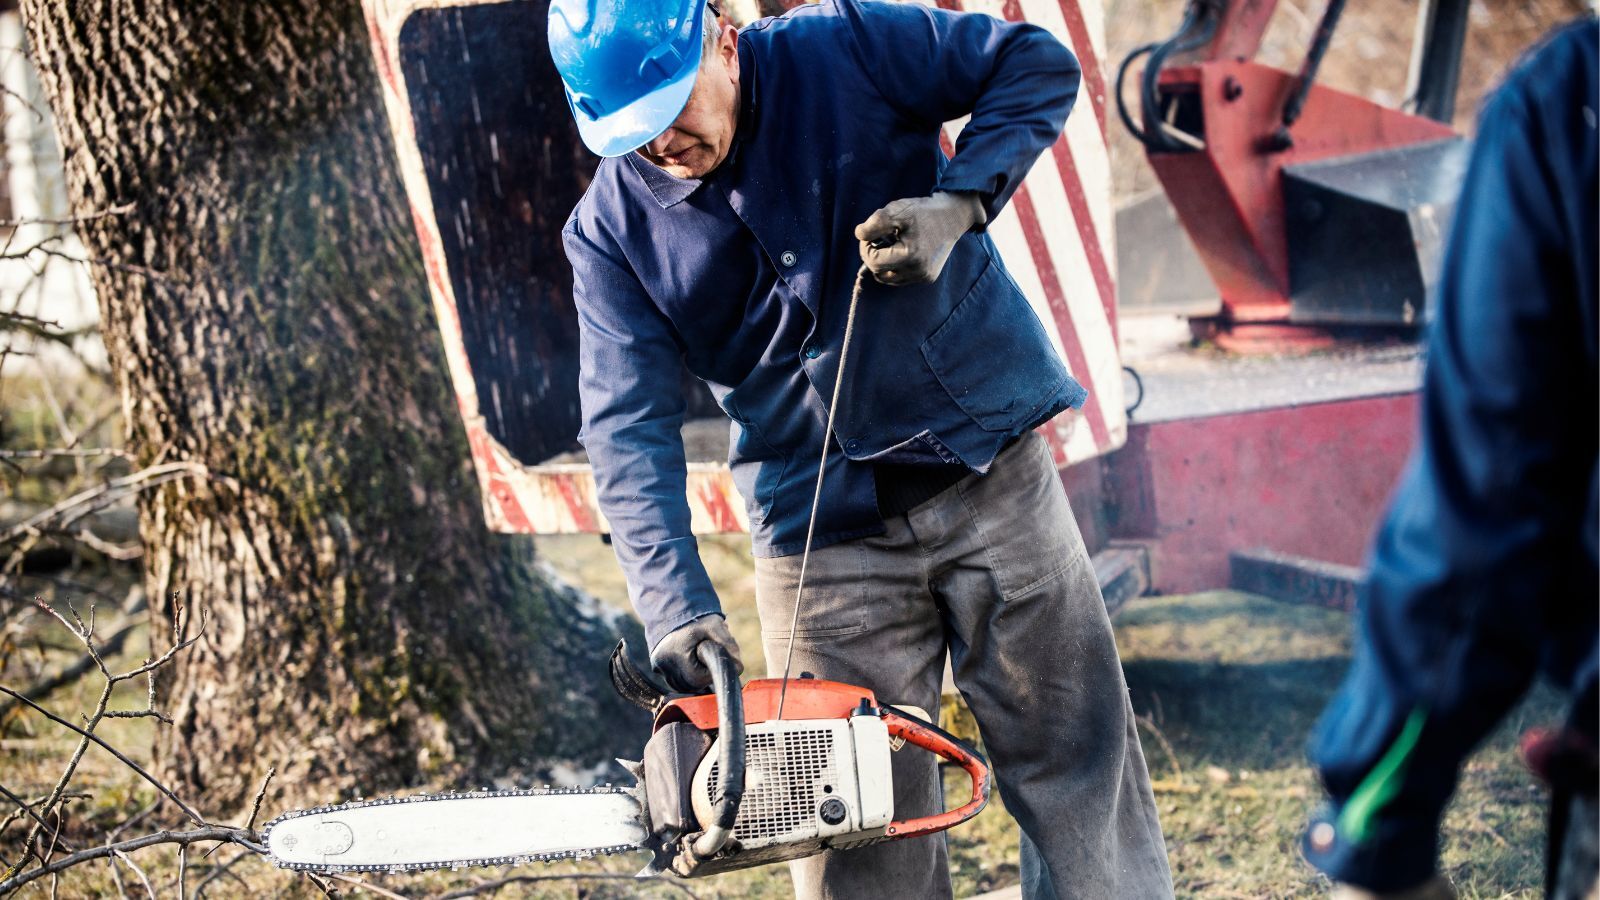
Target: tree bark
[(266, 313)]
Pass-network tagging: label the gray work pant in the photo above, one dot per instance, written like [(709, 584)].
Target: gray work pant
[(993, 571)]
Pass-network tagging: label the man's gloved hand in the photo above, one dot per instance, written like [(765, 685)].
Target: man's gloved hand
[(914, 236), (675, 657), (1435, 888)]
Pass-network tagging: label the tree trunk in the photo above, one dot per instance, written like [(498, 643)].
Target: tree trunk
[(266, 313)]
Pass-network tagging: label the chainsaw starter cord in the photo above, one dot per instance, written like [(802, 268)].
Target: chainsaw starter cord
[(816, 497)]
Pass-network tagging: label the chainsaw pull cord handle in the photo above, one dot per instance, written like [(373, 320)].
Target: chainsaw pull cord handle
[(730, 741), (822, 467)]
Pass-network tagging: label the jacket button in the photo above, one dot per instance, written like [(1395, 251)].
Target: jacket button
[(812, 351), (852, 446), (788, 258)]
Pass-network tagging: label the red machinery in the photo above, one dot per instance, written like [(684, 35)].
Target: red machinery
[(1314, 210)]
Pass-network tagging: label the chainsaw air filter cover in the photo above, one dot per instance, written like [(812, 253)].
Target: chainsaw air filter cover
[(809, 784)]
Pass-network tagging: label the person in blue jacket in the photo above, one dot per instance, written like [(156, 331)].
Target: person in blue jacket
[(1484, 575), (752, 184)]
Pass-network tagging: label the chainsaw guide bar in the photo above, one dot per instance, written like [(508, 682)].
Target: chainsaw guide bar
[(459, 830)]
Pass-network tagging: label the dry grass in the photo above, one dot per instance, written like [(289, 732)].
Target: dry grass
[(1233, 683)]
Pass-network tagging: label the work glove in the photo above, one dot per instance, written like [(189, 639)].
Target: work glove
[(1435, 888), (908, 241), (675, 657)]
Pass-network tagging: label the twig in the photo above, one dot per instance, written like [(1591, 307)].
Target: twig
[(136, 818), (143, 878), (1150, 725), (116, 877), (193, 816), (255, 808), (218, 872), (152, 274), (490, 887), (43, 688), (72, 220), (180, 627), (25, 807), (223, 833), (37, 112), (110, 549), (368, 886)]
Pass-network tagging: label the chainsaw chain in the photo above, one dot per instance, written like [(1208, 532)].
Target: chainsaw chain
[(454, 864)]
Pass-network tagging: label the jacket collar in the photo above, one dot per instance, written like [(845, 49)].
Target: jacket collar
[(668, 190)]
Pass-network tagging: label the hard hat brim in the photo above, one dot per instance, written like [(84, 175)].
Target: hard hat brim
[(641, 121)]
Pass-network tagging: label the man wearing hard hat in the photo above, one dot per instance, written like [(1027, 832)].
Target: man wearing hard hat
[(774, 211)]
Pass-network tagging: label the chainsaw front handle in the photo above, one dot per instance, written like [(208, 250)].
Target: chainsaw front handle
[(730, 740), (941, 743)]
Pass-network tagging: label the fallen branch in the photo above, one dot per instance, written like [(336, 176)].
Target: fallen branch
[(223, 833)]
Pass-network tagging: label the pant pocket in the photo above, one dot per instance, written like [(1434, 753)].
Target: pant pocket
[(1021, 512), (835, 598)]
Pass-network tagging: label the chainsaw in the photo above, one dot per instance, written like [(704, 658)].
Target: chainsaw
[(778, 770)]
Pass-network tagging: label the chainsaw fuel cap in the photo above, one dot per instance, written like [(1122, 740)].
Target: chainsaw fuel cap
[(832, 811)]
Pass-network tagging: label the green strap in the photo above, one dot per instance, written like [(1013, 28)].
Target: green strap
[(1382, 783)]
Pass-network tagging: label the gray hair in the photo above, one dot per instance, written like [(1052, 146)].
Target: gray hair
[(712, 30)]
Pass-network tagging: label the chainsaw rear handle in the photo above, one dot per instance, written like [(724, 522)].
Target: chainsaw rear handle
[(941, 743), (730, 740)]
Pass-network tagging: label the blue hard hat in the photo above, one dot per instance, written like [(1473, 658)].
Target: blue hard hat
[(628, 66)]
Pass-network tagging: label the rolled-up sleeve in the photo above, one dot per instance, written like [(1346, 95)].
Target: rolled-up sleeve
[(1015, 80), (629, 385)]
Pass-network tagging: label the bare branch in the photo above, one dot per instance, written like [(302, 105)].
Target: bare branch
[(369, 886), (72, 220), (139, 714), (118, 552), (226, 834), (90, 260), (143, 878), (172, 651), (255, 808), (24, 807), (97, 498), (193, 816), (79, 453), (44, 687), (82, 632), (218, 872), (133, 820), (29, 104)]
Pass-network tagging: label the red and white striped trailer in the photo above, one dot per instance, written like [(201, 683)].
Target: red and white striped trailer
[(491, 165)]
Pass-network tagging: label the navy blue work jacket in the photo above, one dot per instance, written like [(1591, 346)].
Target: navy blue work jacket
[(1484, 574), (746, 276)]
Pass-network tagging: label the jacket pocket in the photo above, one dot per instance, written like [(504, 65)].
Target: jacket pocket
[(992, 355)]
